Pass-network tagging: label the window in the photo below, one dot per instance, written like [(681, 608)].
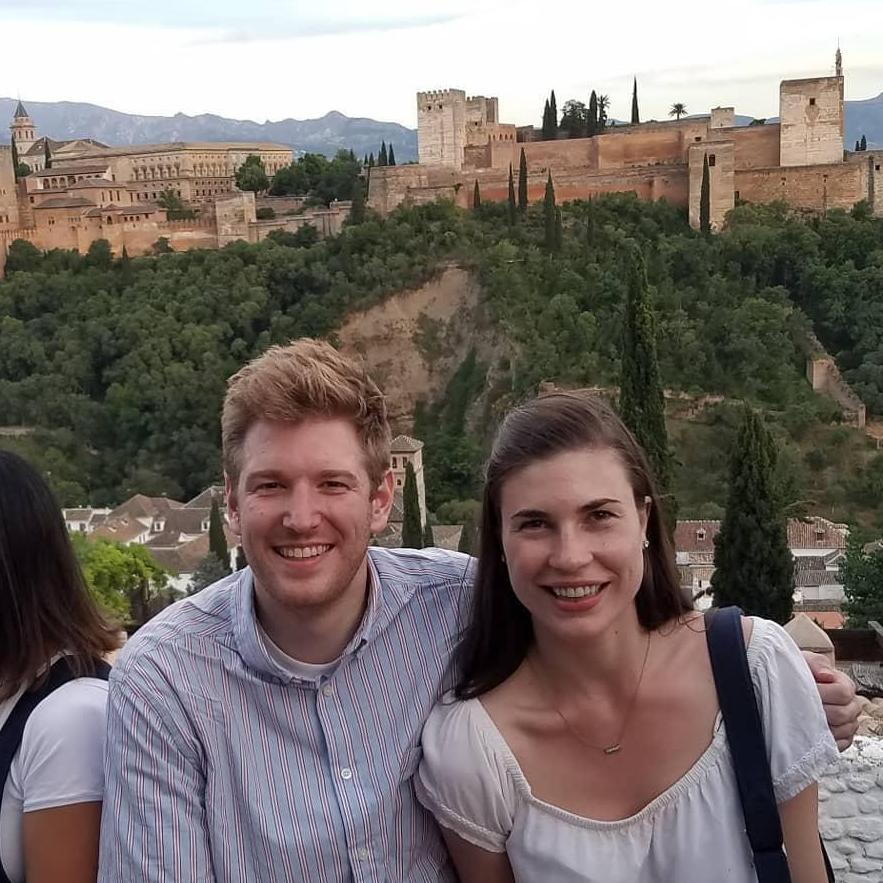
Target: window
[(876, 169), (736, 194), (712, 160), (395, 463), (698, 138), (812, 102), (700, 534), (398, 482)]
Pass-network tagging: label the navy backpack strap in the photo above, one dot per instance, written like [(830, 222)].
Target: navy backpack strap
[(738, 705), (12, 731)]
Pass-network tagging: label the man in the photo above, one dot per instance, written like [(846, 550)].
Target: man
[(267, 729)]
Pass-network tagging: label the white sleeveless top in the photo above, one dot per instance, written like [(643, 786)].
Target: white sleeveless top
[(692, 833)]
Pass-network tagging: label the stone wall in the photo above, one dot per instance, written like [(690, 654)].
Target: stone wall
[(721, 158), (824, 376), (8, 197), (757, 147), (851, 813), (441, 127), (811, 119)]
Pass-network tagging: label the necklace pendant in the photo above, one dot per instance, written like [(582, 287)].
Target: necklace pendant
[(612, 749)]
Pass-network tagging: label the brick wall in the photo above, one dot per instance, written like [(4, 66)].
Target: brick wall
[(818, 188)]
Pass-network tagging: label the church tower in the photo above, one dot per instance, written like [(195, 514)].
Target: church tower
[(24, 133)]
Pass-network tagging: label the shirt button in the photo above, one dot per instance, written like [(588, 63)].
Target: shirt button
[(363, 855), (346, 773), (328, 690)]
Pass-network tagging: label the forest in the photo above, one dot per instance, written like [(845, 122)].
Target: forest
[(119, 364)]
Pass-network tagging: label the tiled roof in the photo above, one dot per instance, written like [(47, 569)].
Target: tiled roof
[(184, 558), (203, 500), (83, 169), (816, 533), (121, 529), (77, 514), (696, 536), (65, 202), (404, 444), (809, 570), (20, 112), (141, 505)]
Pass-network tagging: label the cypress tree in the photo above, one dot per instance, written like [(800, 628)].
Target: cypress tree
[(382, 159), (513, 208), (476, 196), (412, 532), (391, 157), (15, 160), (468, 537), (553, 115), (592, 124), (371, 162), (636, 118), (522, 183), (559, 230), (47, 156), (365, 160), (858, 146), (550, 216), (641, 400), (705, 199), (428, 537), (753, 565), (217, 542), (547, 125), (864, 143), (357, 209)]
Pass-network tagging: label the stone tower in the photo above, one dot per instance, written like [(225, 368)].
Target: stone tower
[(811, 114), (24, 132), (9, 218), (441, 127), (404, 450)]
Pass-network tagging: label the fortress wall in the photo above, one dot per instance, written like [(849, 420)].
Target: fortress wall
[(9, 217), (811, 114), (818, 188), (721, 159), (757, 147)]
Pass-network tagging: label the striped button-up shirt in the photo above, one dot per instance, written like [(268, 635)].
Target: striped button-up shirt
[(222, 766)]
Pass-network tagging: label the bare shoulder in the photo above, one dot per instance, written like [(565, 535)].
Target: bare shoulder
[(510, 698)]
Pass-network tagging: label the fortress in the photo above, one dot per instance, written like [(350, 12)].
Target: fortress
[(81, 190), (800, 159)]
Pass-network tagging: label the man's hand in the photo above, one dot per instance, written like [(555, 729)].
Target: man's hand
[(841, 705)]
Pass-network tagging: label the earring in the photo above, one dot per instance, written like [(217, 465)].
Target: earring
[(646, 543)]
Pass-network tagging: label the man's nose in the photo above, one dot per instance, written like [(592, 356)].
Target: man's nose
[(301, 510)]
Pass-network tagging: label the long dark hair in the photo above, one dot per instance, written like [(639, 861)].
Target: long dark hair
[(500, 630), (45, 607)]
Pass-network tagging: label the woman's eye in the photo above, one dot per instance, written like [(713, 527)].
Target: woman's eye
[(532, 524), (602, 515)]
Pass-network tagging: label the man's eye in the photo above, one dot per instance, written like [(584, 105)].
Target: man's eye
[(335, 485), (267, 486)]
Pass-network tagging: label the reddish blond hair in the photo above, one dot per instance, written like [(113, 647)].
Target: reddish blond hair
[(306, 378)]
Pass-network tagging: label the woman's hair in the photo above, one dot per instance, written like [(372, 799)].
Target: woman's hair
[(45, 607), (500, 630)]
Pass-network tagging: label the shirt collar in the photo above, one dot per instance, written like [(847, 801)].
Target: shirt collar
[(253, 650)]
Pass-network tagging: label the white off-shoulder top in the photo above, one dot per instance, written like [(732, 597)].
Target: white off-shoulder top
[(693, 832)]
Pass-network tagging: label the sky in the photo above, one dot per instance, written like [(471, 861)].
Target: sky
[(274, 59)]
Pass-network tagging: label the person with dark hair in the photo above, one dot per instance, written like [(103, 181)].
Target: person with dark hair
[(583, 740), (53, 691)]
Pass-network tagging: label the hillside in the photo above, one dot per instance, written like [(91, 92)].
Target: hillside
[(328, 134), (118, 366)]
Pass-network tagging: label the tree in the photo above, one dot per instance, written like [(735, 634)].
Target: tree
[(252, 175), (522, 183), (207, 572), (753, 565), (428, 537), (641, 400), (16, 162), (174, 206), (161, 246), (574, 118), (476, 196), (550, 217), (592, 126), (217, 541), (513, 208), (603, 106), (22, 170), (863, 143), (559, 230), (357, 209), (858, 145), (47, 156), (412, 531), (391, 157), (23, 256), (371, 160), (862, 576), (382, 158), (468, 537), (99, 255), (636, 117), (553, 114), (705, 199), (547, 125), (678, 109)]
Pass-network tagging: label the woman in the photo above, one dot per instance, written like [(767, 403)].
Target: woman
[(584, 742), (51, 797)]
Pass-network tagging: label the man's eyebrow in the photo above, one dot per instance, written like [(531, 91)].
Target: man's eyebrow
[(591, 506), (339, 473)]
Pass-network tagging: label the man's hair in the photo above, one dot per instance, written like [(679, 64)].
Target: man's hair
[(306, 378)]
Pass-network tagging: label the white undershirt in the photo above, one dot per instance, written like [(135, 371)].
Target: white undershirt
[(305, 671)]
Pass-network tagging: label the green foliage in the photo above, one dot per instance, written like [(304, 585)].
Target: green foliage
[(391, 157), (636, 116), (174, 206), (705, 199), (22, 170), (412, 530), (862, 576), (382, 158), (476, 196), (23, 256), (207, 572), (575, 118), (217, 541), (753, 566), (125, 580), (161, 246), (551, 219), (592, 122), (678, 109), (550, 119), (641, 402), (357, 210), (252, 175), (522, 183), (513, 214), (320, 179), (265, 213), (428, 537)]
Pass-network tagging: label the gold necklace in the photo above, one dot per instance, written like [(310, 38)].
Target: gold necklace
[(615, 746)]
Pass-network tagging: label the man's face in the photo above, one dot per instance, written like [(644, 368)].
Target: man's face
[(304, 509)]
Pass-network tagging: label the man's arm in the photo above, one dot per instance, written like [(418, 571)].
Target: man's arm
[(153, 826), (838, 698)]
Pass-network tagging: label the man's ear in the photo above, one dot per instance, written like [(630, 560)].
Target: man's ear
[(232, 505), (381, 502)]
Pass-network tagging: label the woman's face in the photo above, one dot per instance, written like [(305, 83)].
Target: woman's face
[(572, 534)]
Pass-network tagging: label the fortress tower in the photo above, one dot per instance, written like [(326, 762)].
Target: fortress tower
[(8, 197), (811, 119), (24, 132), (441, 127)]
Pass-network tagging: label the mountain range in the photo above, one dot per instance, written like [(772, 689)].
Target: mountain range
[(328, 134)]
